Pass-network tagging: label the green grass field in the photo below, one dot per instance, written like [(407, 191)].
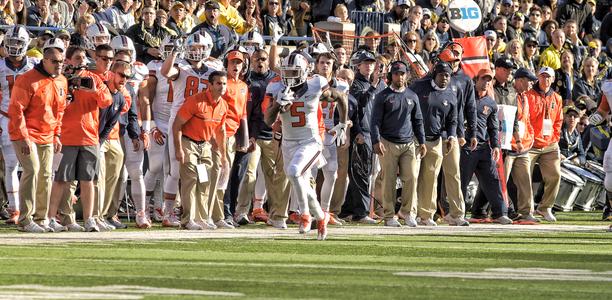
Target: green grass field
[(343, 267)]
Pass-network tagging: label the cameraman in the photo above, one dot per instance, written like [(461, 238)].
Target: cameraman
[(79, 158)]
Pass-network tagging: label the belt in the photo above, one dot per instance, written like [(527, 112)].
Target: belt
[(194, 141), (431, 138)]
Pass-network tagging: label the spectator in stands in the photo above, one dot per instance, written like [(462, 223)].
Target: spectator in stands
[(341, 14), (533, 27), (515, 30), (250, 11), (273, 15), (388, 7), (551, 57), (565, 77), (218, 32), (372, 42), (514, 50), (500, 25), (436, 7), (573, 42), (119, 15), (495, 46), (525, 7), (162, 17), (531, 54), (414, 48), (582, 125), (431, 44), (80, 28), (507, 8), (547, 14), (342, 56), (64, 36), (36, 51), (570, 143), (399, 15), (442, 28), (230, 17), (60, 14), (548, 27), (588, 84), (147, 36), (393, 49), (6, 17), (176, 19), (578, 11), (19, 12), (38, 14)]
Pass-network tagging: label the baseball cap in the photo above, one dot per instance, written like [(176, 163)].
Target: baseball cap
[(54, 43), (426, 12), (366, 56), (547, 70), (485, 72), (585, 102), (504, 62), (403, 2), (442, 67), (524, 73), (507, 2), (235, 54), (47, 33), (212, 5), (398, 66), (490, 34), (570, 108), (177, 4), (62, 32), (531, 40)]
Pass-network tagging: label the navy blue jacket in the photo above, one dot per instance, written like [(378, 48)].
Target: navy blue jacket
[(487, 124), (257, 87), (396, 117), (109, 116), (439, 109), (466, 105), (129, 121), (364, 92)]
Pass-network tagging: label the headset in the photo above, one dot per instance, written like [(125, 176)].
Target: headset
[(394, 63), (245, 55)]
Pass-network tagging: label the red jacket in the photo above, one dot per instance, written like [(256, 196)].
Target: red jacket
[(545, 106)]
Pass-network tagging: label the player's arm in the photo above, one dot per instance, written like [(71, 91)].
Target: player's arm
[(168, 69), (341, 99), (272, 113), (152, 90)]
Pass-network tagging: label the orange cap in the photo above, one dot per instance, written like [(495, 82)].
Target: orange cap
[(235, 54)]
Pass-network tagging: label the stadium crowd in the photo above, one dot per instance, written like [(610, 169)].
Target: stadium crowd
[(187, 93)]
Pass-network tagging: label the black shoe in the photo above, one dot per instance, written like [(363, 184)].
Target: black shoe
[(4, 214), (115, 222)]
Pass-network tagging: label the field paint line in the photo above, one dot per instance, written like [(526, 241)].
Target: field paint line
[(540, 274), (110, 291)]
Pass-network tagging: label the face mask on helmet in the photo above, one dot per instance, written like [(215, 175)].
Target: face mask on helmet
[(101, 40), (197, 53), (15, 47)]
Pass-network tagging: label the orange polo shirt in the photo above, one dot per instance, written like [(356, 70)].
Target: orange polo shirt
[(237, 97), (545, 106), (37, 107), (203, 116)]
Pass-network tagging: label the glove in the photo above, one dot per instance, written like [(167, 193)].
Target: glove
[(285, 97), (276, 32), (596, 119), (339, 131)]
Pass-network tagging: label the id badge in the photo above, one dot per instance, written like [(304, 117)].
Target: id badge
[(547, 127), (521, 129), (57, 159), (202, 173)]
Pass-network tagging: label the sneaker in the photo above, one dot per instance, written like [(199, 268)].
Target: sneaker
[(367, 220), (456, 221), (243, 219), (206, 225), (322, 227), (115, 222), (57, 227), (526, 220), (426, 222), (32, 228), (230, 220), (221, 224), (278, 224), (547, 214), (305, 223), (103, 226), (392, 223), (74, 227), (142, 221), (503, 220), (334, 220), (410, 221), (4, 214), (192, 226), (158, 214), (170, 220), (13, 216), (91, 226), (109, 225), (294, 218), (259, 215), (46, 227)]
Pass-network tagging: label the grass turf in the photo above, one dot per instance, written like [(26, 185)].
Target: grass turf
[(343, 267)]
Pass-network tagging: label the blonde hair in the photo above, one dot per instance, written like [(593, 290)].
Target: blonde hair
[(84, 19)]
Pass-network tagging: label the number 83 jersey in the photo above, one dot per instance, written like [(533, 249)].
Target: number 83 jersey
[(301, 121)]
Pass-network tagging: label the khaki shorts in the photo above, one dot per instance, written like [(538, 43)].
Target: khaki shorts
[(78, 163)]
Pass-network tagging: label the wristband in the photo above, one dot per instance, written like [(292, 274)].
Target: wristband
[(146, 126)]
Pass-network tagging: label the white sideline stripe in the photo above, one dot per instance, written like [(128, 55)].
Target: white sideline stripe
[(541, 274), (28, 291)]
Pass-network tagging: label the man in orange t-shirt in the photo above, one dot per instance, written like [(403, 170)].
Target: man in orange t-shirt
[(546, 117), (80, 126), (199, 130), (35, 114)]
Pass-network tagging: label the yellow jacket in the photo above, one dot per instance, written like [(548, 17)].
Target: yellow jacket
[(230, 17), (551, 57)]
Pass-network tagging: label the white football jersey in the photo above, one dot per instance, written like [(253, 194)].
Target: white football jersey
[(164, 93), (8, 76), (606, 88), (328, 108), (191, 81), (141, 72), (301, 121)]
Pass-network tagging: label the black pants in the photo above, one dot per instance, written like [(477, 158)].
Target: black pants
[(233, 186), (481, 162), (357, 202)]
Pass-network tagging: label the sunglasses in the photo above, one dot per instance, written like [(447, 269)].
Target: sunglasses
[(535, 15), (124, 76), (273, 3), (582, 124), (531, 46), (105, 58), (491, 40), (262, 59), (56, 61), (411, 41)]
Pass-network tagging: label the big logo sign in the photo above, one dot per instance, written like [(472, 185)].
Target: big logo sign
[(464, 15)]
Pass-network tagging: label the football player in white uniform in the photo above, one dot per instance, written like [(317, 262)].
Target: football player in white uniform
[(95, 35), (16, 41), (161, 92), (297, 105), (134, 151), (189, 76), (602, 115)]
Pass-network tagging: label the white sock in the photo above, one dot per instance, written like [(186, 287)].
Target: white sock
[(327, 189), (168, 206), (257, 203)]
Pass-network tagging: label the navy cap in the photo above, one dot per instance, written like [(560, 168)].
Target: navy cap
[(366, 56), (442, 67), (212, 5), (504, 62), (524, 73), (398, 66)]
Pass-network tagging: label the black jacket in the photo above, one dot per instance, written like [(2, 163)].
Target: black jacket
[(223, 37), (364, 93), (257, 87), (142, 43), (466, 105), (578, 12), (439, 109)]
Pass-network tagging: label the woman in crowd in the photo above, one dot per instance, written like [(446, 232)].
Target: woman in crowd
[(514, 50), (273, 14), (431, 44), (249, 10)]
